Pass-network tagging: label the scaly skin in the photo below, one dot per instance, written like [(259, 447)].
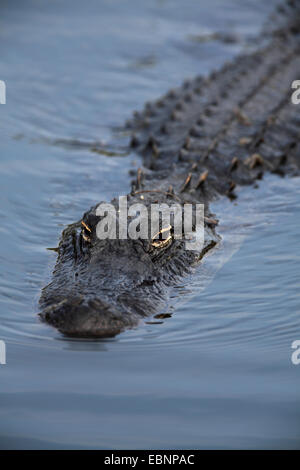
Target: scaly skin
[(198, 142)]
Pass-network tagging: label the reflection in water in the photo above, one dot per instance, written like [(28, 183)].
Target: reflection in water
[(85, 344)]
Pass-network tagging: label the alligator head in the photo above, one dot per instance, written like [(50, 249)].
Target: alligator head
[(102, 286)]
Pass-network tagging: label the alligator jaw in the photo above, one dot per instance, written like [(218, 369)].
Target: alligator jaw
[(108, 286), (94, 319)]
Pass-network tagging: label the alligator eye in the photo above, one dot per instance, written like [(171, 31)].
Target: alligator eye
[(85, 232), (160, 242)]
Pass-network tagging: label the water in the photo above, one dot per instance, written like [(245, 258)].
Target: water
[(217, 373)]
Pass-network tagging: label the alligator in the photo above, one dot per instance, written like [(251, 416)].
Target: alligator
[(198, 143)]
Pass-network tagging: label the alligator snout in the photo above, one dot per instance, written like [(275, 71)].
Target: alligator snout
[(95, 318)]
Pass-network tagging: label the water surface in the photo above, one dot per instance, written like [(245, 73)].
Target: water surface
[(217, 373)]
